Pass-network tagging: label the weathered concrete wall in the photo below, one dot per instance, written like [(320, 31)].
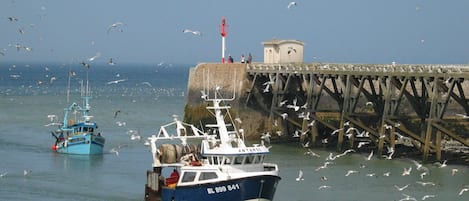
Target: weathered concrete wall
[(231, 78)]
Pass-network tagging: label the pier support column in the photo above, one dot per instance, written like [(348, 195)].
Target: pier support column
[(314, 134), (386, 86), (438, 145), (392, 137), (345, 108), (431, 116)]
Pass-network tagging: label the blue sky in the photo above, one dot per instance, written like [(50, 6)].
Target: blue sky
[(342, 31)]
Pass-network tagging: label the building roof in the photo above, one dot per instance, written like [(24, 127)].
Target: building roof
[(280, 41)]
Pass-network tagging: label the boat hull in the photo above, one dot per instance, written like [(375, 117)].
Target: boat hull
[(243, 189), (84, 145)]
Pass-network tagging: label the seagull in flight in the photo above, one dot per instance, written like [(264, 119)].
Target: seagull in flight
[(26, 172), (98, 54), (425, 183), (428, 196), (401, 188), (197, 33), (406, 171), (311, 153), (463, 190), (116, 81), (292, 3), (350, 172), (441, 165), (463, 116), (113, 26), (323, 187), (370, 156)]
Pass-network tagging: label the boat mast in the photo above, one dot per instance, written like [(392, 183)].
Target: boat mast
[(87, 95)]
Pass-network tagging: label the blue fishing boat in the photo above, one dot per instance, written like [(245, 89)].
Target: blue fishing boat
[(77, 134), (190, 164)]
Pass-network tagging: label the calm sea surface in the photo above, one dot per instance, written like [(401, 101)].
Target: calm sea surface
[(148, 98)]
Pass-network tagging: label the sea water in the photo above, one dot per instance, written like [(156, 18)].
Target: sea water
[(148, 97)]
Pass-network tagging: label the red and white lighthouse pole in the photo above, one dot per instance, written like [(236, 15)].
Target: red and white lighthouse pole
[(223, 35)]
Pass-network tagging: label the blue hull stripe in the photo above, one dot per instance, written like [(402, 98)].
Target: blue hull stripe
[(232, 190), (82, 148)]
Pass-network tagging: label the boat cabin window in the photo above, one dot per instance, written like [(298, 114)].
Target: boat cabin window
[(207, 176), (88, 129), (226, 160), (213, 160), (238, 160), (258, 159), (249, 159), (188, 177)]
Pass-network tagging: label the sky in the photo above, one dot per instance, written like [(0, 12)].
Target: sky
[(334, 31)]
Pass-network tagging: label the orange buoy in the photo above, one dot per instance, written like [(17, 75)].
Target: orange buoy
[(54, 147)]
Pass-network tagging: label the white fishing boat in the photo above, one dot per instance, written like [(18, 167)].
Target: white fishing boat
[(190, 164)]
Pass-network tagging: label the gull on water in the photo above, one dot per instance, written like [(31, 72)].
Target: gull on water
[(3, 174), (454, 171), (300, 176)]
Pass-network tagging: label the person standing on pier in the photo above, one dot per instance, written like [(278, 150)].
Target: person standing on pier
[(243, 59), (230, 59), (249, 58)]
